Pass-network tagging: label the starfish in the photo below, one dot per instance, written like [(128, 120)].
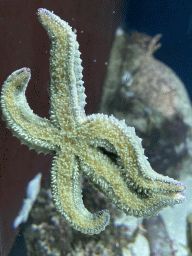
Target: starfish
[(105, 149)]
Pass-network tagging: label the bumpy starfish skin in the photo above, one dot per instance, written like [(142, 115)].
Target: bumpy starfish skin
[(103, 148)]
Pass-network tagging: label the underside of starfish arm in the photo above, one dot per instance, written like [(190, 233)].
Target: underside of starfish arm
[(66, 189), (66, 86), (31, 129)]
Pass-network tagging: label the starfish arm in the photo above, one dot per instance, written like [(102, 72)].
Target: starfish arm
[(122, 171), (31, 129), (66, 189), (105, 176), (66, 85)]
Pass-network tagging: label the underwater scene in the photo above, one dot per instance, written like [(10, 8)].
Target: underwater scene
[(96, 128)]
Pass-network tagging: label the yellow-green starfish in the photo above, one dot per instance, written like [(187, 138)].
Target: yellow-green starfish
[(103, 148)]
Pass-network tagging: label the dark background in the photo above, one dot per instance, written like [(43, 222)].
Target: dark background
[(24, 43), (171, 18)]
